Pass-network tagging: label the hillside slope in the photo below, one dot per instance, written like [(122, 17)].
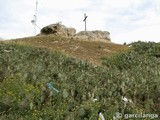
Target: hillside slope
[(91, 51), (37, 83)]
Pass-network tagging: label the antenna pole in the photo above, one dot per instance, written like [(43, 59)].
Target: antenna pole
[(36, 17), (36, 10), (34, 21), (85, 17)]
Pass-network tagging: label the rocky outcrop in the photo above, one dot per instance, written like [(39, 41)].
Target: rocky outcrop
[(58, 29), (97, 34)]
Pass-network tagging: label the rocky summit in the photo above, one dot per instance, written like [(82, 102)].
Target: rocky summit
[(58, 29)]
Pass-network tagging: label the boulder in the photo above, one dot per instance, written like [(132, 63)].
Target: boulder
[(97, 34), (58, 29)]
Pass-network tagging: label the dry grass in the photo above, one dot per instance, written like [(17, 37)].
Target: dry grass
[(91, 51)]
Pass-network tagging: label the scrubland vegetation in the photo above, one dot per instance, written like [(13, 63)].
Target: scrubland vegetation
[(84, 88)]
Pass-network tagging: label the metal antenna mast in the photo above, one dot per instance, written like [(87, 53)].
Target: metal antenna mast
[(36, 17), (34, 21), (85, 17), (36, 10)]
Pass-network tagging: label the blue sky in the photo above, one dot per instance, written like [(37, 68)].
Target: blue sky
[(126, 20)]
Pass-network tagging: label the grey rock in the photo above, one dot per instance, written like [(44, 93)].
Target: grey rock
[(97, 34), (58, 29)]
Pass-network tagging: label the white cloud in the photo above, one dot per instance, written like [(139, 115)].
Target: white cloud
[(126, 20)]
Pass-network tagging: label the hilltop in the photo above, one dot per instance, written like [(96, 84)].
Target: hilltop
[(89, 50), (85, 45)]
